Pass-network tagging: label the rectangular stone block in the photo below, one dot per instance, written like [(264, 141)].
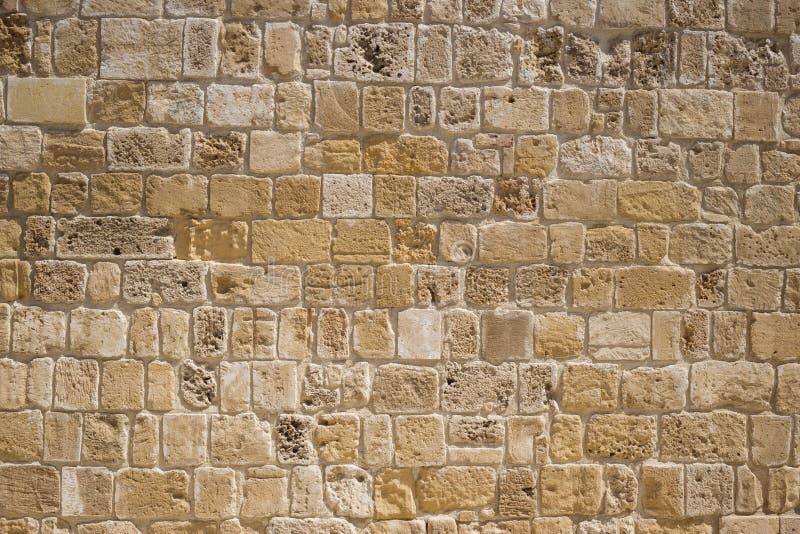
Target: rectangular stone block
[(48, 101)]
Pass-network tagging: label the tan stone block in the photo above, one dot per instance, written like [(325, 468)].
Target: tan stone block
[(122, 385), (406, 154), (293, 106), (333, 155), (662, 489), (62, 433), (612, 244), (373, 336), (265, 493), (295, 333), (22, 436), (394, 494), (756, 116), (571, 111), (660, 389), (337, 107), (701, 244), (709, 490), (512, 242), (15, 376), (145, 439), (151, 494), (297, 196), (419, 440), (50, 101), (405, 389), (116, 101), (74, 151), (571, 489), (558, 335), (586, 201), (461, 335), (774, 336), (751, 289), (642, 13), (140, 49), (243, 106), (361, 241), (566, 438), (695, 113), (337, 437), (377, 448), (31, 192), (294, 242), (116, 193), (86, 492), (567, 242), (181, 195), (619, 436), (507, 335), (516, 110), (161, 386), (184, 439), (97, 333), (216, 495), (654, 287), (28, 489), (395, 196), (105, 439), (10, 233), (658, 201), (455, 488), (282, 46), (592, 288), (76, 383), (741, 525), (776, 246), (394, 286), (652, 241), (590, 387), (275, 386), (770, 439), (209, 239), (769, 204), (274, 152), (383, 109), (782, 494), (23, 147), (706, 437)]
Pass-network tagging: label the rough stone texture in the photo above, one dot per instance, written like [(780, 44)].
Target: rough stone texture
[(399, 266)]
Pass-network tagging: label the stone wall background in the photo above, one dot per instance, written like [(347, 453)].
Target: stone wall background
[(399, 266)]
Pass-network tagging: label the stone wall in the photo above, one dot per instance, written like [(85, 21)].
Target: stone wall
[(399, 266)]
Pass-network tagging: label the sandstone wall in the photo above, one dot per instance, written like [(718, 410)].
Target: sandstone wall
[(399, 266)]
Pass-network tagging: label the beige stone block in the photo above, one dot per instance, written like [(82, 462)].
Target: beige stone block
[(773, 336), (406, 154), (586, 387), (455, 488), (31, 192), (516, 110), (383, 109), (145, 441), (654, 201), (756, 116), (49, 101), (161, 386), (216, 493), (293, 106), (337, 107), (275, 153), (623, 14), (709, 490), (405, 389), (151, 494), (373, 335), (770, 439), (265, 493), (573, 489), (558, 335), (105, 439), (654, 287), (243, 106), (718, 436), (22, 147), (394, 494), (662, 489), (566, 438), (184, 441), (592, 288), (567, 242), (116, 193), (419, 441), (361, 241), (294, 242), (511, 242), (696, 114), (29, 489), (769, 204), (122, 385), (97, 333), (282, 44), (22, 436), (655, 389), (275, 386), (211, 239), (619, 436), (585, 201), (76, 383), (419, 334), (86, 492), (787, 400), (571, 111), (140, 49)]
